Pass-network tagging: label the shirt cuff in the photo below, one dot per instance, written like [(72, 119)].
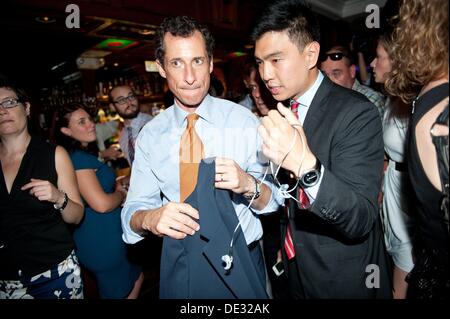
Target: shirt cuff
[(275, 201), (128, 235)]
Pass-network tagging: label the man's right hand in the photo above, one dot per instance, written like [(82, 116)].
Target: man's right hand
[(176, 220)]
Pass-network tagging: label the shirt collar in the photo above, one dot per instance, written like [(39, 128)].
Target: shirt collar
[(134, 121), (204, 110), (307, 97), (356, 84)]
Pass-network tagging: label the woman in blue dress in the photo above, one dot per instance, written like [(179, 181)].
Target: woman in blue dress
[(98, 238)]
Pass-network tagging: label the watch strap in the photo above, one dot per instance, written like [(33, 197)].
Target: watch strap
[(257, 191), (64, 204)]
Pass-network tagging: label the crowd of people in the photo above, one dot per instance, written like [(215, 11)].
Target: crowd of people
[(313, 186)]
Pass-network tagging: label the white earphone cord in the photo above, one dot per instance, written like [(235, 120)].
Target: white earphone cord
[(228, 259)]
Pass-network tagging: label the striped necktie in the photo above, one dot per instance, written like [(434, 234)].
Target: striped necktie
[(302, 197), (130, 144)]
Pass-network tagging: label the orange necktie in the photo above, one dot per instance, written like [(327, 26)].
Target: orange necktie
[(191, 153)]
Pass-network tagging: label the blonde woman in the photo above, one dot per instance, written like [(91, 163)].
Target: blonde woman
[(397, 211)]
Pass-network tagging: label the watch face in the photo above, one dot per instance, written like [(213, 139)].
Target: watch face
[(310, 178)]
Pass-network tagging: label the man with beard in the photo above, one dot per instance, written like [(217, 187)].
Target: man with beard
[(125, 103)]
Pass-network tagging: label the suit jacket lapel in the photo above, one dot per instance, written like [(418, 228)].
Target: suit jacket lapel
[(217, 224), (317, 107)]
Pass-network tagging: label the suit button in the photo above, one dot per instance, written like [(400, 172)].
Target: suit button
[(2, 245), (19, 273)]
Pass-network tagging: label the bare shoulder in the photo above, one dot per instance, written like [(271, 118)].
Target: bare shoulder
[(61, 152), (425, 146), (429, 118), (62, 158)]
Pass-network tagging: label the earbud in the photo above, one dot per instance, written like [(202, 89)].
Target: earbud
[(283, 190), (228, 260)]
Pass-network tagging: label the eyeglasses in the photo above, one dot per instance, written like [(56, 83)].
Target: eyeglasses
[(131, 97), (334, 56), (10, 103)]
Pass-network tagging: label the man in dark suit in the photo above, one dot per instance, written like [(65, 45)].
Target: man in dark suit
[(332, 144)]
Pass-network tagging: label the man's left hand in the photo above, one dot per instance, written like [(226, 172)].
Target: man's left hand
[(229, 175)]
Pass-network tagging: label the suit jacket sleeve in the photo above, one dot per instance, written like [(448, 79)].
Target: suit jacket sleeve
[(347, 196)]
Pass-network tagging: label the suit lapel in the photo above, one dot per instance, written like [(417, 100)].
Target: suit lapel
[(217, 224), (317, 107)]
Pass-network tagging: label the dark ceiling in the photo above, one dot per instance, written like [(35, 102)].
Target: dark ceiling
[(31, 49), (41, 54)]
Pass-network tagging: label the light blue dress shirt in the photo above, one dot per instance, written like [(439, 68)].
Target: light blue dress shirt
[(226, 129)]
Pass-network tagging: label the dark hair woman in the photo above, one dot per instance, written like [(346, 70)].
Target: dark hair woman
[(38, 198), (99, 236)]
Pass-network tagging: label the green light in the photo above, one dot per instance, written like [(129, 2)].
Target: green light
[(236, 54), (116, 44)]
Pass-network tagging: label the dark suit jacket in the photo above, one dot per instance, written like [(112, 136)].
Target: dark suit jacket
[(338, 240), (193, 267)]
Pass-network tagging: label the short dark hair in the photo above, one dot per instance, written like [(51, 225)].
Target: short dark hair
[(22, 96), (291, 15), (181, 26)]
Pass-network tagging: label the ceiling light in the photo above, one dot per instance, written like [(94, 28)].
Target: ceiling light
[(45, 19), (146, 32), (116, 44), (95, 54), (58, 65), (236, 54)]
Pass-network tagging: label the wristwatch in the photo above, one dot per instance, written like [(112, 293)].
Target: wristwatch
[(64, 204), (257, 192), (310, 177)]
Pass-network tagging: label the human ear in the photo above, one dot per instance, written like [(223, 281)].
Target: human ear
[(161, 70), (312, 54), (66, 131)]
